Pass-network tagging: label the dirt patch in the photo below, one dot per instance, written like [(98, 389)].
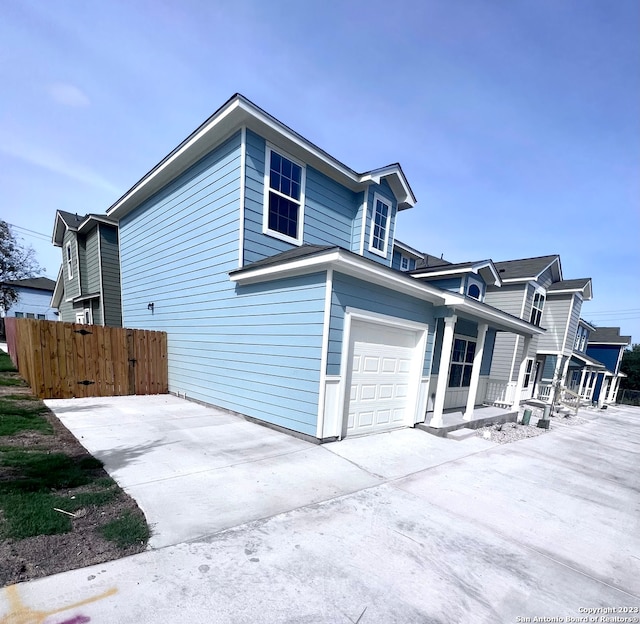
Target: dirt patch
[(83, 545), (508, 432)]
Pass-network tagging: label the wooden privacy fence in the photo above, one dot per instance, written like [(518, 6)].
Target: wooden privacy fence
[(65, 360)]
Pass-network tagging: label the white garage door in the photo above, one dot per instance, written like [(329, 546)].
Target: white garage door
[(383, 378)]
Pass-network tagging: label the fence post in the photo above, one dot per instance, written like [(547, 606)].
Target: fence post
[(131, 358)]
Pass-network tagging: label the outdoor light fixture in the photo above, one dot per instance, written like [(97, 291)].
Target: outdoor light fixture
[(150, 306)]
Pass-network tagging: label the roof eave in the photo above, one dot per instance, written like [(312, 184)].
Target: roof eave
[(236, 113)]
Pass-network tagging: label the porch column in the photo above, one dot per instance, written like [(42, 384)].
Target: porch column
[(475, 371), (563, 379), (521, 372), (582, 378), (612, 389), (604, 388), (443, 371)]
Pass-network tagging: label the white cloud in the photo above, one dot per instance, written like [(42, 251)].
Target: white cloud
[(58, 164), (69, 95)]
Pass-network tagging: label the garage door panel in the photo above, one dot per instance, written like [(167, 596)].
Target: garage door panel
[(382, 367)]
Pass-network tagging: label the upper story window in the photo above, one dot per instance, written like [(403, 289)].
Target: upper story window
[(69, 256), (537, 308), (284, 198), (581, 339), (380, 226)]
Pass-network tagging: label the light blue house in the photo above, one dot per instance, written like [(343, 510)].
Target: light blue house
[(34, 299), (270, 265)]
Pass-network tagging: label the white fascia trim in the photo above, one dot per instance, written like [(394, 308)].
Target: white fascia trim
[(610, 344), (374, 250), (243, 183), (377, 175), (58, 290), (498, 318), (93, 218), (365, 203), (410, 250), (325, 353), (228, 119), (474, 268), (101, 277)]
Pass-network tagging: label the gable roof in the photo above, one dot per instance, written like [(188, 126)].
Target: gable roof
[(485, 268), (581, 285), (239, 112), (36, 283), (608, 336), (527, 269), (76, 223)]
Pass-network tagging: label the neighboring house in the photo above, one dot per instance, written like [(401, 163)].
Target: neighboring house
[(34, 299), (533, 290), (269, 264), (88, 286), (606, 345), (583, 369)]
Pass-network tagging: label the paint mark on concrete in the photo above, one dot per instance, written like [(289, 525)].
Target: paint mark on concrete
[(19, 613)]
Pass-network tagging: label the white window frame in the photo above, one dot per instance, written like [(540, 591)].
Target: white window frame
[(267, 190), (463, 363), (379, 198), (528, 373), (538, 310), (69, 259), (403, 260)]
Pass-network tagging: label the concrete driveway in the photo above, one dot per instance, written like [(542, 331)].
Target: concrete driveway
[(401, 527)]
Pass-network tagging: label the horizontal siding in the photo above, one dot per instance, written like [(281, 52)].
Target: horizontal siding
[(555, 317), (67, 313), (329, 212), (253, 349), (110, 276), (487, 355), (31, 301), (607, 354), (574, 320), (351, 292), (504, 347), (546, 279), (356, 230), (92, 262), (507, 298), (548, 368), (447, 283)]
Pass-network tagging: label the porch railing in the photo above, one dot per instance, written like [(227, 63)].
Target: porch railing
[(570, 399), (544, 392), (500, 393)]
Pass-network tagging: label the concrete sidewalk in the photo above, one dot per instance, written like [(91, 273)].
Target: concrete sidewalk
[(539, 528)]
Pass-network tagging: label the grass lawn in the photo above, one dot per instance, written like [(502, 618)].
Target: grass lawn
[(59, 509)]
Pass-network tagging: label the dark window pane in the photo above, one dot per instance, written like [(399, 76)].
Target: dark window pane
[(286, 168), (283, 215), (471, 351), (295, 190), (285, 186), (276, 162), (458, 350), (456, 376), (466, 376), (274, 181), (296, 173)]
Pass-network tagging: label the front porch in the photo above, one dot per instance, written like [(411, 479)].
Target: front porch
[(481, 416)]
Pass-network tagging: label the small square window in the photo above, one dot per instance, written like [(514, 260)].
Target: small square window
[(284, 198), (41, 317), (404, 263)]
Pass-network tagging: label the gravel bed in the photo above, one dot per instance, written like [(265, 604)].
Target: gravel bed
[(508, 432)]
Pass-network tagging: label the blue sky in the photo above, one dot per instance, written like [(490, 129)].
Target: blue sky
[(516, 123)]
